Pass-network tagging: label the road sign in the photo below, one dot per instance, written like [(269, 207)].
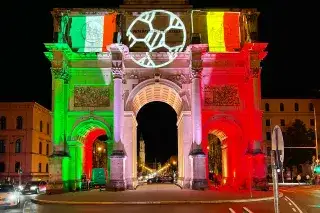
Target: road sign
[(277, 141)]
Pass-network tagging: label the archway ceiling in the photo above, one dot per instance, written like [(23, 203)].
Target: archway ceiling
[(157, 92), (219, 133), (84, 129)]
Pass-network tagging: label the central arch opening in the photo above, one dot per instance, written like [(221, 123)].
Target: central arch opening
[(157, 145)]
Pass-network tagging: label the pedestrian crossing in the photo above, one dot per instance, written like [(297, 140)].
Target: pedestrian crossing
[(245, 210)]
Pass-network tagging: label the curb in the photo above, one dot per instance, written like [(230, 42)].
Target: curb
[(44, 202)]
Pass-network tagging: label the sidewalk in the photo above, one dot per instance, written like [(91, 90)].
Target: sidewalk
[(162, 196)]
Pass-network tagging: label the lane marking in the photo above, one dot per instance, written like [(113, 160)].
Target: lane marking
[(247, 210), (293, 209), (314, 206), (295, 205), (231, 210), (290, 204), (285, 199)]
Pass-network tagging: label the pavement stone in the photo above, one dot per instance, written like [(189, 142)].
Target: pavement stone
[(160, 195)]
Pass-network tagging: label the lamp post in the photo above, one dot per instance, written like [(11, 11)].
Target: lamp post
[(9, 155), (316, 133)]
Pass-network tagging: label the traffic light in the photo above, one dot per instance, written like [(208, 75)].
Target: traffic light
[(317, 169)]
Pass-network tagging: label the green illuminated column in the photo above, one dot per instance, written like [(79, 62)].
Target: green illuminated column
[(59, 161), (118, 157), (59, 107)]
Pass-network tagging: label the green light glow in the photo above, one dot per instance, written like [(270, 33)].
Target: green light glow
[(66, 117)]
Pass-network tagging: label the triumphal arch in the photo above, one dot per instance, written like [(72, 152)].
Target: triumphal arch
[(108, 63)]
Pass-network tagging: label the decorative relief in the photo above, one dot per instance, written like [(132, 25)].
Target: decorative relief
[(60, 73), (180, 79), (226, 95), (251, 25), (91, 96), (254, 65)]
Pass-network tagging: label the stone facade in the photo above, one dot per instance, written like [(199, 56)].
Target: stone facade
[(100, 88), (25, 141)]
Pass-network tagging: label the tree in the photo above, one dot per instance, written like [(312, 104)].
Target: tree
[(297, 135)]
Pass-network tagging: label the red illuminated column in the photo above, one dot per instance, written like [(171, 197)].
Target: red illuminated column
[(118, 157), (197, 156)]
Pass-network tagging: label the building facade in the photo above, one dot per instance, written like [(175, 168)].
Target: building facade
[(25, 141), (283, 112)]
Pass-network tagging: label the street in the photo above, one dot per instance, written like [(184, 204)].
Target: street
[(301, 199)]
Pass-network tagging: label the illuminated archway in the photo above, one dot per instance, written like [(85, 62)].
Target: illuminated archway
[(163, 90), (230, 135), (153, 90), (87, 132)]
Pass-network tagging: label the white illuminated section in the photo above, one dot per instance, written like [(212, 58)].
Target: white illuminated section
[(155, 38)]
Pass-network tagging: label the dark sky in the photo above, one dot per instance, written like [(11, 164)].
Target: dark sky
[(288, 71)]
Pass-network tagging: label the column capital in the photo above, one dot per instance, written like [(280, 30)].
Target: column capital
[(117, 63), (60, 73)]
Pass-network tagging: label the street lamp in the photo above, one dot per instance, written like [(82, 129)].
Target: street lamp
[(99, 149), (316, 133)]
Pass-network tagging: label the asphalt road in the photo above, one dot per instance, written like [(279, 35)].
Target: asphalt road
[(306, 197), (295, 200), (256, 207)]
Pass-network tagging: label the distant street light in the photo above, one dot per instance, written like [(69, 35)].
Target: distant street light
[(316, 133), (99, 149)]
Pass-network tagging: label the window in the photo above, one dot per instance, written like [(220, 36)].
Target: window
[(2, 146), (312, 122), (268, 135), (281, 107), (3, 123), (47, 149), (282, 122), (296, 107), (18, 146), (17, 166), (48, 129), (39, 167), (311, 108), (269, 151), (41, 126), (19, 122), (2, 167), (40, 148), (47, 168), (268, 122), (267, 107)]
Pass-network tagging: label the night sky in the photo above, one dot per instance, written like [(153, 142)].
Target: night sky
[(288, 71)]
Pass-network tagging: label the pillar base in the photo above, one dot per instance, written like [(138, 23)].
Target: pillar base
[(199, 179), (117, 176), (56, 184), (199, 184)]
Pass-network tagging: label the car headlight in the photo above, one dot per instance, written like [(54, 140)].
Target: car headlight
[(20, 187), (12, 197), (33, 187)]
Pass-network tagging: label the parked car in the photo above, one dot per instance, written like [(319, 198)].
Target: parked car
[(162, 179), (9, 196), (34, 187)]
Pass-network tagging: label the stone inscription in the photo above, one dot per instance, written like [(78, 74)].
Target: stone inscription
[(91, 96), (226, 95)]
